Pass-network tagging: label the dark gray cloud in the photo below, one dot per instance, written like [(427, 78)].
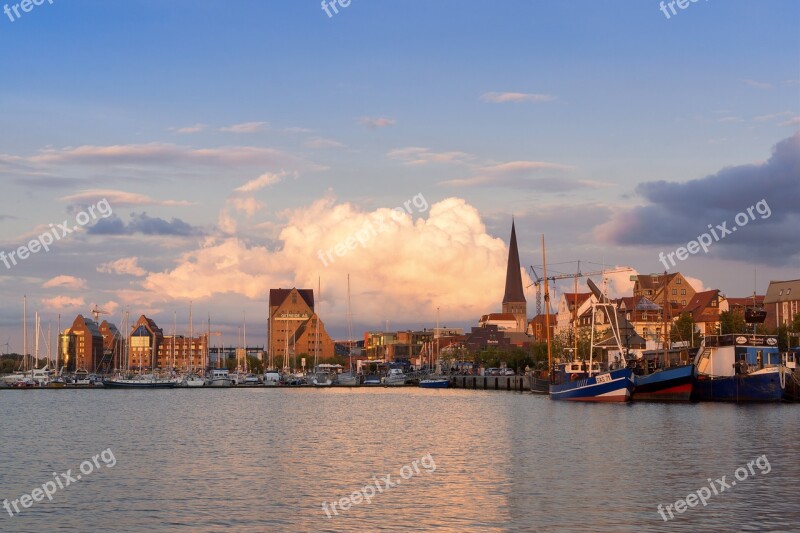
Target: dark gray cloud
[(145, 225), (678, 212)]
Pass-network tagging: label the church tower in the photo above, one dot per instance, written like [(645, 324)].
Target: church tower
[(514, 299)]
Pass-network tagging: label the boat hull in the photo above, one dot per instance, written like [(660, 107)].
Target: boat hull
[(540, 385), (112, 384), (762, 387), (220, 383), (667, 385), (434, 384), (614, 386), (792, 391)]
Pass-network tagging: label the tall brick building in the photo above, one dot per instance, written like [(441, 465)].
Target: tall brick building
[(293, 328)]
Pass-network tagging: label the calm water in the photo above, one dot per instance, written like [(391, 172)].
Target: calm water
[(266, 459)]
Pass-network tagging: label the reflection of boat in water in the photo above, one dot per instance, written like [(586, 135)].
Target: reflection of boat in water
[(739, 368)]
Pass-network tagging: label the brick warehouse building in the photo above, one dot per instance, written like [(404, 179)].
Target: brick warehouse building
[(293, 328)]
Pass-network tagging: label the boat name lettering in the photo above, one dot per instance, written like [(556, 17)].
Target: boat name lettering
[(604, 378)]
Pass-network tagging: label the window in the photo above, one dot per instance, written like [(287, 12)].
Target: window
[(678, 281), (788, 291), (713, 303), (683, 292), (674, 292), (683, 302), (648, 292), (294, 298)]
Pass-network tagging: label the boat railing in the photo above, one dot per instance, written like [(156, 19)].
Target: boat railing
[(740, 339)]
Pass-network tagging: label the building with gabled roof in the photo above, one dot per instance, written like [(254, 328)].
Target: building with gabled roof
[(568, 303), (705, 307), (679, 291), (295, 329), (783, 299)]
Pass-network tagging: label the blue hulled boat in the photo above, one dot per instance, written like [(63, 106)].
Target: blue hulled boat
[(739, 368), (672, 384), (576, 382), (435, 383)]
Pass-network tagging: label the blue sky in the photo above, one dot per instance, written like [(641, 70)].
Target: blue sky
[(554, 112)]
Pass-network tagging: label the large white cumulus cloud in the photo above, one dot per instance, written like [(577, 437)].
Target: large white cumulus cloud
[(407, 266)]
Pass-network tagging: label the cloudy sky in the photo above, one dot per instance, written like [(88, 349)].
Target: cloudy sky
[(246, 145)]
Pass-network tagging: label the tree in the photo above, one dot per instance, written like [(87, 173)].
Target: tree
[(732, 322), (683, 329)]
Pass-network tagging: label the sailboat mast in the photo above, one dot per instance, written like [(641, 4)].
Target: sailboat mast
[(191, 339), (349, 327), (244, 341), (547, 311), (25, 333), (666, 323), (316, 334)]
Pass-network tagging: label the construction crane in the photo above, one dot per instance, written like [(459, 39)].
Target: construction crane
[(537, 280), (96, 312)]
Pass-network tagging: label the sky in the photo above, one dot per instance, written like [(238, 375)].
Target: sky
[(207, 151)]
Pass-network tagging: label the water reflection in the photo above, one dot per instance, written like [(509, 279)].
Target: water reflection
[(266, 460)]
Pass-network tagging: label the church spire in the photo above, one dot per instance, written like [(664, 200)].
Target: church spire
[(514, 291)]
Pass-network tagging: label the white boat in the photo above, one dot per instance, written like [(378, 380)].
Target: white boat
[(271, 379), (251, 380), (220, 377), (194, 381), (396, 377), (347, 379)]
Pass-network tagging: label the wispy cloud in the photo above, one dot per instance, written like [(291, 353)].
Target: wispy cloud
[(160, 154), (322, 143), (772, 116), (376, 122), (794, 121), (67, 282), (118, 198), (197, 128), (522, 174), (260, 182), (245, 127), (502, 98), (758, 84), (415, 155)]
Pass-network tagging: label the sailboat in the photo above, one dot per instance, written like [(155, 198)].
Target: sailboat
[(350, 378)]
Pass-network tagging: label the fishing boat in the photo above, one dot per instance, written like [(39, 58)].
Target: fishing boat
[(739, 368), (595, 382), (434, 383), (670, 384), (220, 378), (539, 381)]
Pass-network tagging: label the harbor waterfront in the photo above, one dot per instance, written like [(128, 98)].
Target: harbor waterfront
[(266, 459)]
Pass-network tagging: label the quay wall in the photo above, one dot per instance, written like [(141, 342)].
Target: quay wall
[(506, 383)]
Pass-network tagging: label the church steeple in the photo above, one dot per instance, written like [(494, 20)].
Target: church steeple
[(514, 291), (514, 302)]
